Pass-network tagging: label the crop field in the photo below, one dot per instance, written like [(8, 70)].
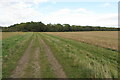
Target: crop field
[(106, 39), (9, 34), (59, 55)]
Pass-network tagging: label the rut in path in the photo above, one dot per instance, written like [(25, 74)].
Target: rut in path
[(22, 64), (36, 63), (53, 61)]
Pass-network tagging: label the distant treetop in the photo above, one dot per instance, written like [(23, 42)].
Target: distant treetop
[(41, 27)]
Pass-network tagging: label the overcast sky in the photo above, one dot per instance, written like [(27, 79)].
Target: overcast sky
[(74, 12)]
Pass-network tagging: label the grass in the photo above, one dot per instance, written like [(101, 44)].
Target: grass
[(78, 59), (45, 69), (30, 69), (10, 34), (12, 49), (81, 60), (106, 39)]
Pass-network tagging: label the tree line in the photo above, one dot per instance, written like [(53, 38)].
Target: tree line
[(41, 27)]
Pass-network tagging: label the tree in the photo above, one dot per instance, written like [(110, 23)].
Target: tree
[(41, 27)]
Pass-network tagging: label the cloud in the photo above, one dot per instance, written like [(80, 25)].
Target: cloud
[(106, 5), (61, 12), (108, 20), (82, 10), (67, 11), (83, 17), (36, 1), (17, 12), (64, 0), (39, 1)]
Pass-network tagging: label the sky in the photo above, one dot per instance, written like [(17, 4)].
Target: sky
[(74, 12)]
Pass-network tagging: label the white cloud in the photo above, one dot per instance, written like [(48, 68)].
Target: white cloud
[(39, 1), (61, 12), (108, 20), (82, 10), (106, 5), (77, 17), (36, 2), (17, 12)]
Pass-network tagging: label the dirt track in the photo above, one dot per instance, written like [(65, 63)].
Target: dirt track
[(31, 58), (22, 64), (36, 64)]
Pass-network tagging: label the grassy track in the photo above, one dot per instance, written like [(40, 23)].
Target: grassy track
[(46, 70), (41, 55), (41, 64), (15, 57)]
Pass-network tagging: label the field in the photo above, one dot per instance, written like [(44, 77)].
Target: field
[(106, 39), (9, 34), (59, 55)]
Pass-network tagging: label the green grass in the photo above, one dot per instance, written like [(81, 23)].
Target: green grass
[(12, 50), (80, 60), (45, 68), (30, 69), (9, 43)]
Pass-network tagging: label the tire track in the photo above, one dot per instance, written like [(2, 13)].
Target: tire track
[(53, 61), (22, 64), (36, 64), (35, 59)]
